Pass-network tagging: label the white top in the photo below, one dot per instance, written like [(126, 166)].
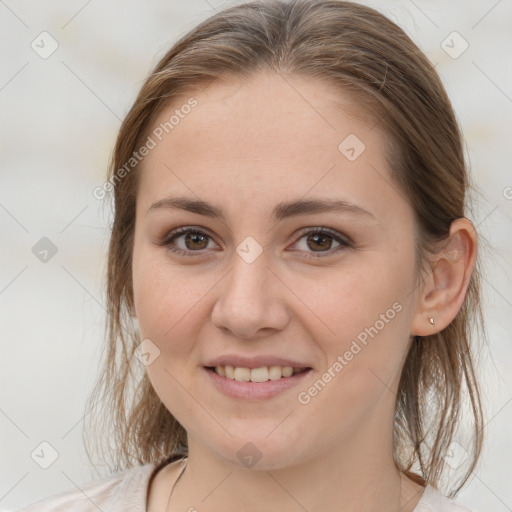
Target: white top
[(127, 491)]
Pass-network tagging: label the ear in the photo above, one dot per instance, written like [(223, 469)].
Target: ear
[(444, 290)]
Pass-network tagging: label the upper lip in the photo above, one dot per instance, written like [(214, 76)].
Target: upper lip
[(254, 362)]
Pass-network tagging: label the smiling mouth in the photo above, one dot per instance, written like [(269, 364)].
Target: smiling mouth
[(262, 374)]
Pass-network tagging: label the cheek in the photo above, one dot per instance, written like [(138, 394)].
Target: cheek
[(150, 294), (367, 316), (172, 305), (353, 299), (167, 302), (163, 296), (363, 358)]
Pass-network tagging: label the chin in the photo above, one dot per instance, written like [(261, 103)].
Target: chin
[(259, 451)]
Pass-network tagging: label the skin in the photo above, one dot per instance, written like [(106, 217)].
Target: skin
[(246, 146)]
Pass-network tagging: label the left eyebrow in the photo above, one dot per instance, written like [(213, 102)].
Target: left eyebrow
[(282, 210), (311, 206)]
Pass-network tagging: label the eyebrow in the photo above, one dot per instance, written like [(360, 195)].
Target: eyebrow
[(282, 210)]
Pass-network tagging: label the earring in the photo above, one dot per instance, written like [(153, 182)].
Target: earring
[(431, 320)]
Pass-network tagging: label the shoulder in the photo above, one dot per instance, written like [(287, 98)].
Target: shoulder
[(124, 491), (433, 500)]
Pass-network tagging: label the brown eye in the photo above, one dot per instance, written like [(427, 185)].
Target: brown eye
[(186, 241), (195, 241), (320, 240)]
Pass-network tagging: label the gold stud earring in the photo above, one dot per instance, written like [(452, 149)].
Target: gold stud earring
[(431, 320)]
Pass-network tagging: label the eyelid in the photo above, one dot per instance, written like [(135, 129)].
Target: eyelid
[(180, 231), (344, 240)]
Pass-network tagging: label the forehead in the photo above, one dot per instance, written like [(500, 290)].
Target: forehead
[(266, 104), (261, 137)]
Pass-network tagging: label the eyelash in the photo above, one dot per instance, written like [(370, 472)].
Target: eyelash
[(171, 237)]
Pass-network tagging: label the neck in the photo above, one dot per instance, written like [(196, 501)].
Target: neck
[(357, 475)]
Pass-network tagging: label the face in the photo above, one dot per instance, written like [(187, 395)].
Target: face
[(259, 282)]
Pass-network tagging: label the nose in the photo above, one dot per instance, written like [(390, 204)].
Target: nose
[(251, 300)]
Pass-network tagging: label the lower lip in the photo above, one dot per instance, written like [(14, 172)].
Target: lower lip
[(256, 390)]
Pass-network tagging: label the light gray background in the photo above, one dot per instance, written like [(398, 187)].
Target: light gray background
[(59, 119)]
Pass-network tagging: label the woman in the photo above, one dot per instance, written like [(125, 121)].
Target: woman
[(291, 275)]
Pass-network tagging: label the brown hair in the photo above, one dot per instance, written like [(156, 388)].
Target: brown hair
[(373, 61)]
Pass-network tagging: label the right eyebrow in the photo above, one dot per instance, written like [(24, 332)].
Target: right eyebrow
[(282, 210)]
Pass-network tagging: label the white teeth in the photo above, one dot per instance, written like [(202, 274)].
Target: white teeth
[(287, 371), (242, 374), (259, 374), (274, 372), (262, 374), (230, 372)]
